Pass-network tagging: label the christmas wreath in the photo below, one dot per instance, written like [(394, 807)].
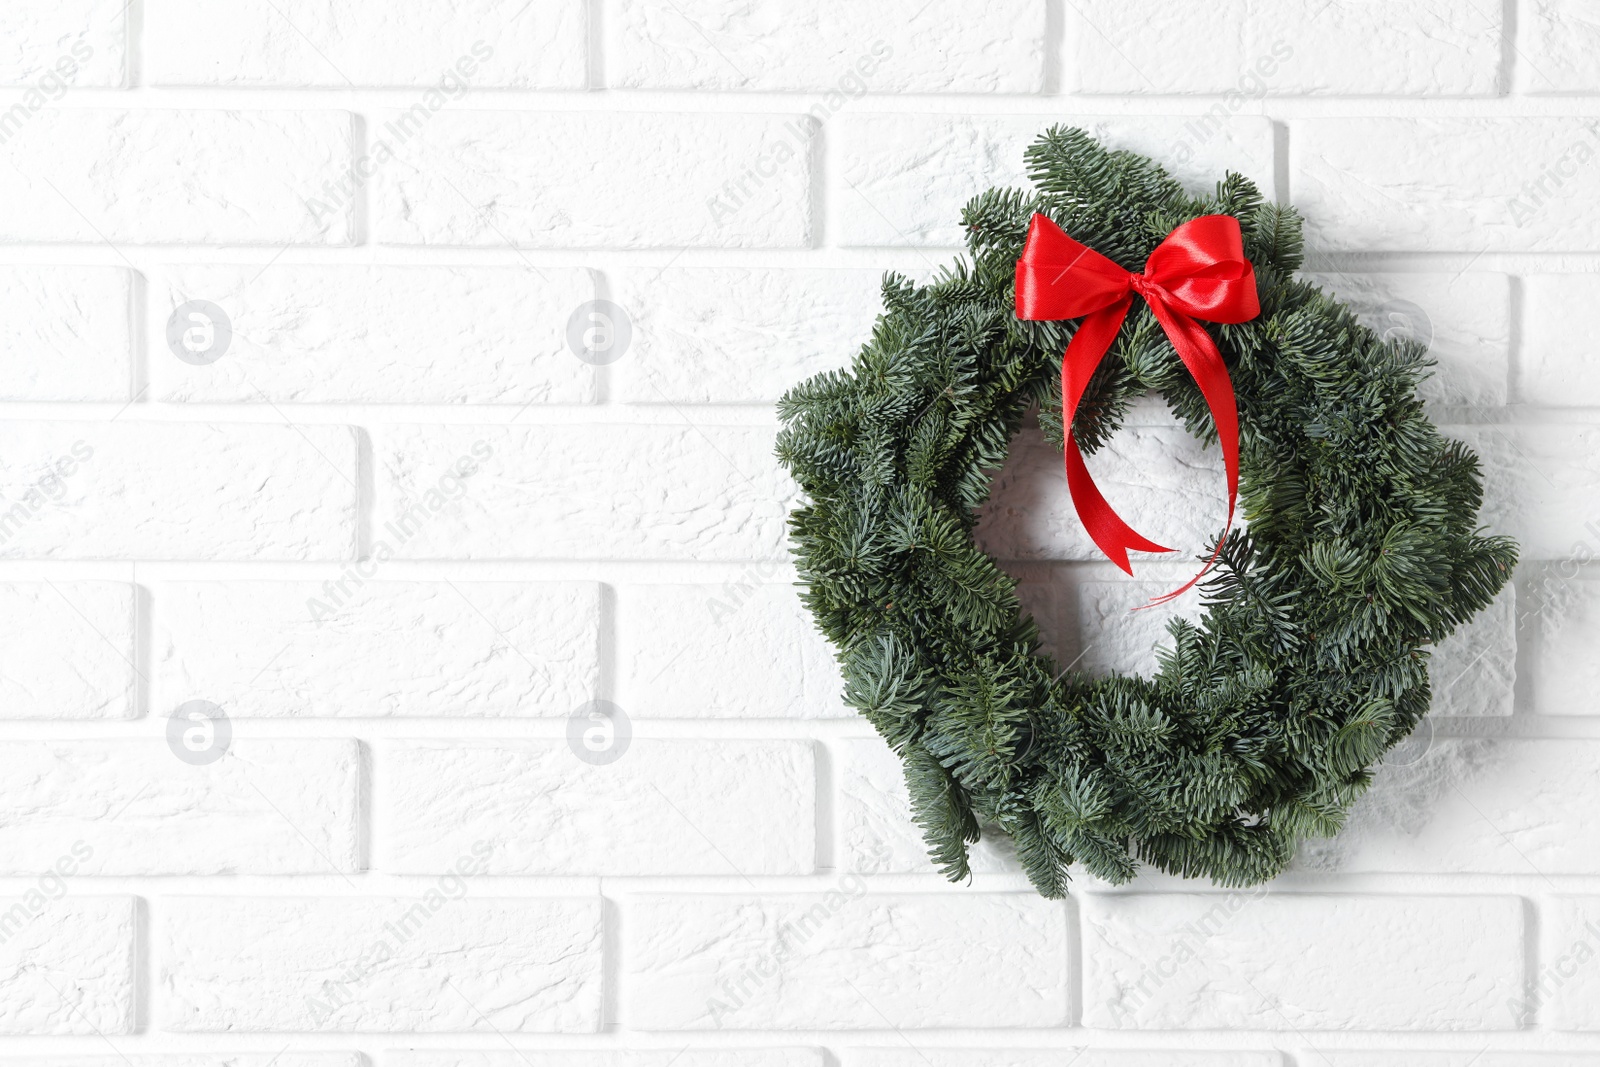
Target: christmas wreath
[(1310, 660)]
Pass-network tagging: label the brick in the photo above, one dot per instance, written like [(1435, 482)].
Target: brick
[(903, 179), (1246, 51), (363, 648), (1555, 367), (1565, 991), (1463, 318), (66, 962), (133, 807), (833, 47), (1262, 961), (378, 334), (196, 1059), (1468, 1058), (1473, 671), (1538, 480), (738, 335), (130, 490), (1524, 184), (67, 650), (450, 49), (1170, 488), (685, 1057), (586, 491), (1119, 630), (1557, 43), (1167, 484), (876, 833), (1076, 1056), (55, 47), (775, 961), (440, 961), (1472, 806), (593, 180), (745, 649), (1048, 594), (1566, 611), (707, 807), (64, 332), (159, 176)]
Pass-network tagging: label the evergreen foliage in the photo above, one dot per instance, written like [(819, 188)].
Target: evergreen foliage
[(1311, 657)]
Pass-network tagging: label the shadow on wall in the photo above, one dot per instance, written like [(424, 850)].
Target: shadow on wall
[(1418, 786), (1450, 798), (1164, 482)]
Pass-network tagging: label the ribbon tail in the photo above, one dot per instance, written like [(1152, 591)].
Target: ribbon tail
[(1164, 598), (1105, 527), (1199, 353)]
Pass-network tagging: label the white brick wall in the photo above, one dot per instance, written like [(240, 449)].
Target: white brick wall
[(102, 176), (67, 329), (264, 648), (1304, 962), (445, 961), (504, 740), (310, 42), (374, 335)]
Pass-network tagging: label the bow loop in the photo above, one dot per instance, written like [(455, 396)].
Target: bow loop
[(1059, 278), (1198, 272), (1202, 267)]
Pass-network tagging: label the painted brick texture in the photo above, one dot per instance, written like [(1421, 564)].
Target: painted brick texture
[(400, 659)]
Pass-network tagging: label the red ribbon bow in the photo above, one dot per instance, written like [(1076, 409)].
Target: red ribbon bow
[(1198, 272)]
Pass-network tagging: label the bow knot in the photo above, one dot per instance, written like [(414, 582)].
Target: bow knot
[(1142, 285), (1198, 272)]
